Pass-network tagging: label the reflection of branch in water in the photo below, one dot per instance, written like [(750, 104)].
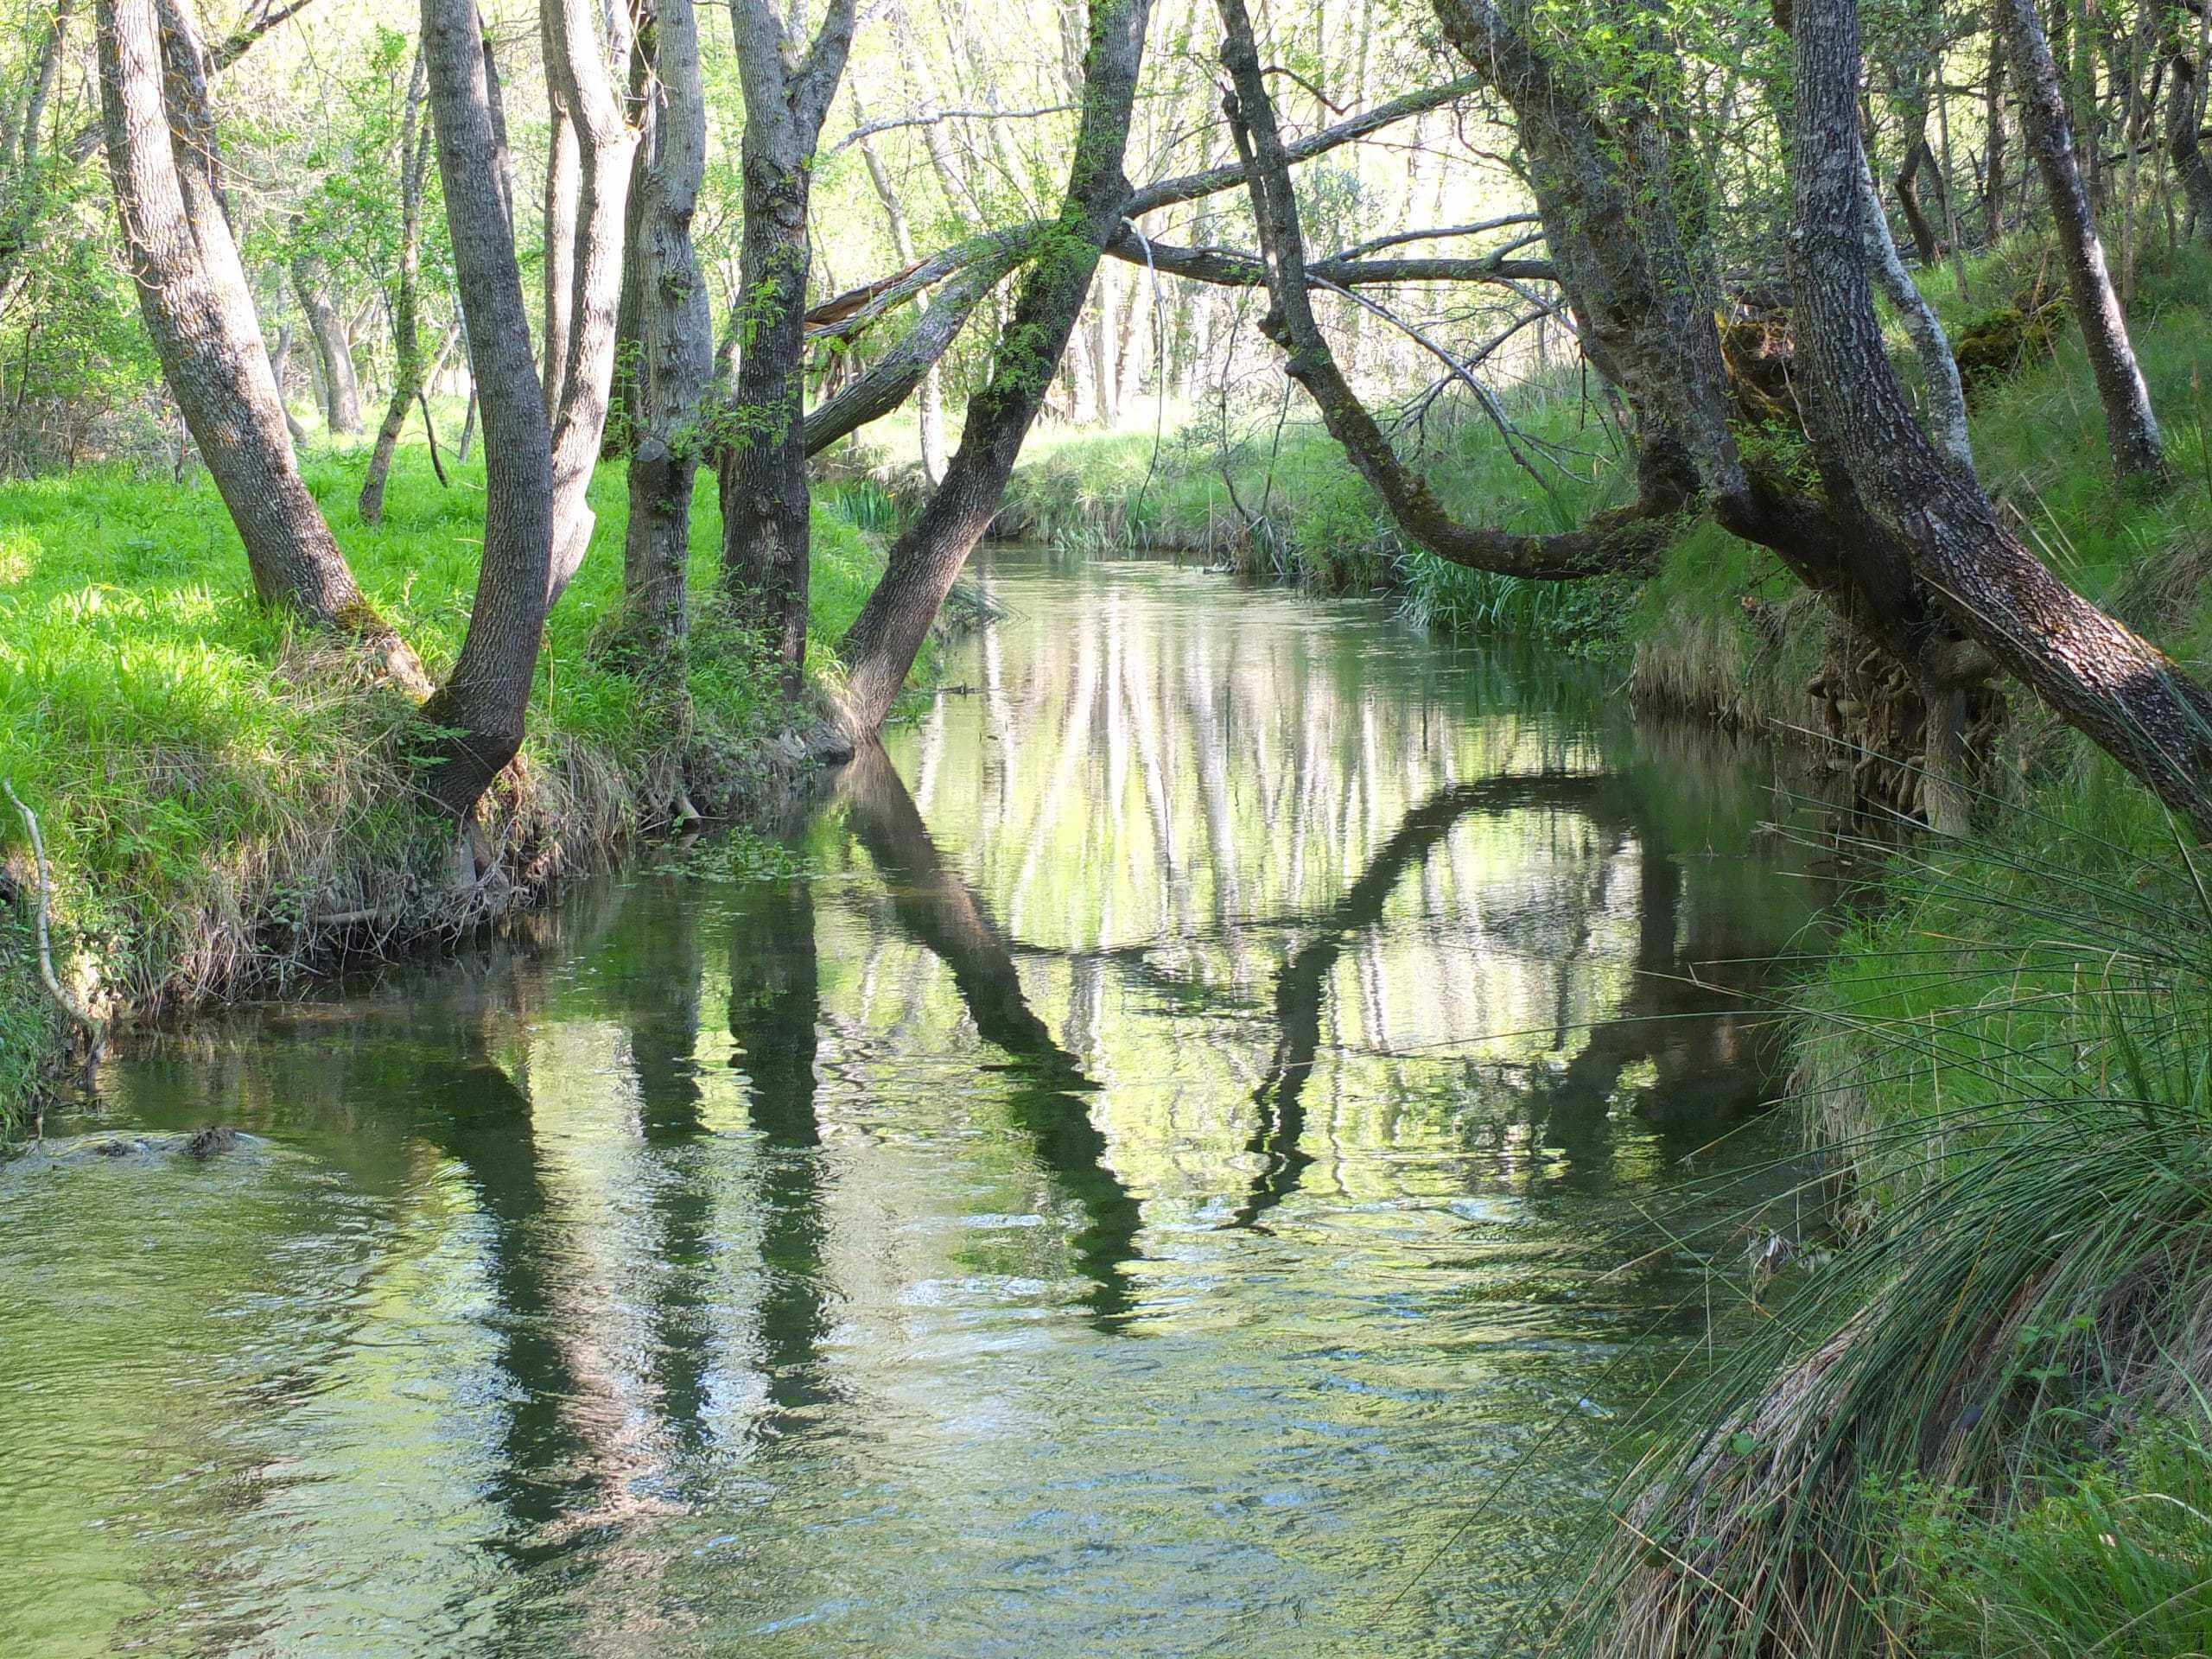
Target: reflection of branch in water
[(774, 1005), (943, 914), (1303, 987)]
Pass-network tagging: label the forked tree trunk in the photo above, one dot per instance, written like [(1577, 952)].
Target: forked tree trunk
[(193, 295), (880, 647), (341, 387), (581, 78), (2185, 119), (2120, 691), (766, 539), (476, 717), (675, 356), (1626, 540), (2138, 451)]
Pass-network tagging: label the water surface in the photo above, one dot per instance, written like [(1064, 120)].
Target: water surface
[(1197, 1137)]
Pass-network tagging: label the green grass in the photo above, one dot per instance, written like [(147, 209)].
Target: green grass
[(207, 785), (1972, 1420)]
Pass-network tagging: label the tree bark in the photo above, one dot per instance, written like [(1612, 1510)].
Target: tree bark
[(2120, 691), (1629, 539), (2185, 119), (476, 717), (2138, 451), (766, 531), (880, 647), (580, 81), (342, 388), (675, 350), (192, 294)]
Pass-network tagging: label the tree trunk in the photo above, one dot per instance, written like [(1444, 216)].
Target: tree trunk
[(1627, 540), (2185, 119), (2138, 452), (880, 648), (476, 717), (580, 81), (675, 355), (766, 541), (408, 370), (280, 365), (192, 294), (1994, 171), (2120, 691), (929, 408), (342, 389)]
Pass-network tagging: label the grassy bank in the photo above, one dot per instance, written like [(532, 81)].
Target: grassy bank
[(222, 804), (1973, 1417)]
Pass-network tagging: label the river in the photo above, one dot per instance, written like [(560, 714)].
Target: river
[(1189, 1152)]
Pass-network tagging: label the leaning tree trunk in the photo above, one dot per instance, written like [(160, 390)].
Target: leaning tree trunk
[(767, 528), (2120, 691), (880, 647), (675, 356), (475, 719), (193, 295), (2138, 451), (1626, 540)]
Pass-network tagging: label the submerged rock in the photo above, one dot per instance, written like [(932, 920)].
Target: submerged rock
[(146, 1147)]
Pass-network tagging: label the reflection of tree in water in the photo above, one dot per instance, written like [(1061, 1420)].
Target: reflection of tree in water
[(774, 1007), (943, 914)]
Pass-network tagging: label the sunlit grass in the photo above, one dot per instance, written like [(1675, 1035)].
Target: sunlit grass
[(204, 776)]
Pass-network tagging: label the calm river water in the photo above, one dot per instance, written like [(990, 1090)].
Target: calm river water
[(1198, 1138)]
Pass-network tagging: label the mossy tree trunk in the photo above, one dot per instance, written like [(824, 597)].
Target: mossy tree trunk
[(761, 429)]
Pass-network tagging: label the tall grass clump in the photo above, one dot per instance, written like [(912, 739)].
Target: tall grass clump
[(1972, 1421)]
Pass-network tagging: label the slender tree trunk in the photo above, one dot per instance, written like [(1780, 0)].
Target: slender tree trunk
[(280, 366), (192, 294), (1993, 119), (409, 372), (2184, 119), (675, 355), (880, 647), (476, 717), (621, 436), (929, 408), (581, 79), (2138, 451), (342, 388), (766, 539)]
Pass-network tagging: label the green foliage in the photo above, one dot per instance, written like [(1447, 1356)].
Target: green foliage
[(2098, 1558)]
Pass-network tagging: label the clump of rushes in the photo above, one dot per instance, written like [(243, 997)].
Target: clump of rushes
[(1978, 1426)]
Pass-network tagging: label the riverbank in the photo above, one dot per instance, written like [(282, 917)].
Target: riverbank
[(222, 808)]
